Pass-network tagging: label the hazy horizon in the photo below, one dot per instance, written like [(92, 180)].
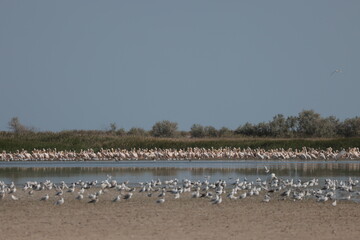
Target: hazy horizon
[(68, 65)]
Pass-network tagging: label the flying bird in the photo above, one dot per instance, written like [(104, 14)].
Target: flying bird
[(336, 71)]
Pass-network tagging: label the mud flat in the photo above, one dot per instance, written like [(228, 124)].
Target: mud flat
[(185, 218)]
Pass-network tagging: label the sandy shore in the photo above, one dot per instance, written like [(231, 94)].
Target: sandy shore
[(184, 218)]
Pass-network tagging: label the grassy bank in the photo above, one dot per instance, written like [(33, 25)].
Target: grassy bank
[(77, 140)]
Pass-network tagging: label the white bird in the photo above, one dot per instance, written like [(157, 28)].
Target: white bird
[(177, 195), (80, 196), (195, 194), (117, 198), (218, 200), (94, 200), (322, 199), (334, 203), (92, 196), (14, 198), (336, 71), (59, 193), (266, 198), (60, 201), (242, 196), (128, 196), (45, 198), (161, 200)]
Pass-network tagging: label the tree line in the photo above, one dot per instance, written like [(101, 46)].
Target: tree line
[(307, 123)]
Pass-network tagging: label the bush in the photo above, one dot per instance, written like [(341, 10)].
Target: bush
[(164, 129)]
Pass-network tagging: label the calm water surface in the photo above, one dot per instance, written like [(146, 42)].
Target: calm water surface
[(140, 171)]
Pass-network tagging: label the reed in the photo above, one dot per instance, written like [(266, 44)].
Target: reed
[(77, 140)]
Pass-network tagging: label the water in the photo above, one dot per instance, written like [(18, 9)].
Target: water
[(142, 171)]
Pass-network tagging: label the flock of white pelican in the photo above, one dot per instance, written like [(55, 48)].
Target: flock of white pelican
[(181, 154), (271, 188)]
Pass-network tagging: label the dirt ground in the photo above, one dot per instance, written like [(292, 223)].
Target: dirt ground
[(185, 218)]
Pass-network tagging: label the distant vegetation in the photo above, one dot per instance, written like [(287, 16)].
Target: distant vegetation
[(307, 129)]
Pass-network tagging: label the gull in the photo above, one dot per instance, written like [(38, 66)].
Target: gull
[(273, 176), (117, 199), (336, 71), (162, 194), (162, 200), (14, 198), (128, 196), (12, 190), (242, 196), (60, 201), (195, 194), (217, 200), (286, 193), (177, 195), (80, 196), (95, 200), (59, 193), (45, 198), (322, 199), (334, 203), (92, 196), (82, 190), (266, 198), (2, 194)]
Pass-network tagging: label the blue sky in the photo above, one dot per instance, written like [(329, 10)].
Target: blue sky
[(85, 64)]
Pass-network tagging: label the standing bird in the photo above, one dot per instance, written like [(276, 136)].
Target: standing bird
[(60, 202), (117, 199), (160, 201), (177, 195), (128, 196), (14, 198), (217, 200), (80, 196), (95, 200), (45, 198)]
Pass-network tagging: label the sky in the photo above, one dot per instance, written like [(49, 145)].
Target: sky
[(83, 64)]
